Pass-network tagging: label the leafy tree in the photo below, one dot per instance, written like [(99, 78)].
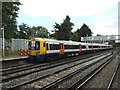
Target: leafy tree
[(63, 31), (84, 31), (98, 35), (9, 14), (24, 31), (40, 31), (74, 36), (43, 33)]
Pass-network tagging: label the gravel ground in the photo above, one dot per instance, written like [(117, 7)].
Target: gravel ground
[(62, 74), (28, 78), (116, 82), (77, 77), (102, 79), (28, 71)]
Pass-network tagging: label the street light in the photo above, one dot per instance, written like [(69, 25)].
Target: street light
[(3, 53)]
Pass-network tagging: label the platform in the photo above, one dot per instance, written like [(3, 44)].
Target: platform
[(12, 58)]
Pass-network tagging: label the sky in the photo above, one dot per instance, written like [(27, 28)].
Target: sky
[(100, 15)]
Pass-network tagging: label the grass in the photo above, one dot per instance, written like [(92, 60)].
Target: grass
[(12, 53)]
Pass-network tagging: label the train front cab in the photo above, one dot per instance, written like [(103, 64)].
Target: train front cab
[(37, 50)]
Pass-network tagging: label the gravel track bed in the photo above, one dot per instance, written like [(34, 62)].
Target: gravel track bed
[(116, 81), (10, 76), (61, 74), (79, 76), (101, 80), (37, 75), (16, 67)]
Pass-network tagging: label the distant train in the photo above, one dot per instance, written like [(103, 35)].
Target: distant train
[(41, 49)]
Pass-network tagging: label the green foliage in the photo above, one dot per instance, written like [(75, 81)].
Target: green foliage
[(40, 31), (26, 31), (84, 31), (63, 31), (74, 36), (98, 35), (9, 14)]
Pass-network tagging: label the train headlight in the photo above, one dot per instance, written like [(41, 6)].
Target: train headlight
[(38, 53)]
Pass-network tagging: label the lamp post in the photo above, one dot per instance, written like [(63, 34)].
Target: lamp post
[(3, 53)]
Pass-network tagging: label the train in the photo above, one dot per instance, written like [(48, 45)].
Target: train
[(42, 49)]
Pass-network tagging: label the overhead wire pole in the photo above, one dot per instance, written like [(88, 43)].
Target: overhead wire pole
[(3, 45)]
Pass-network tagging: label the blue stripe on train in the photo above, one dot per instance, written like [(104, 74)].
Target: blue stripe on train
[(40, 58)]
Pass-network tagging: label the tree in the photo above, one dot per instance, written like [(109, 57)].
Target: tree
[(63, 31), (24, 31), (98, 35), (42, 32), (9, 14), (84, 31), (74, 36)]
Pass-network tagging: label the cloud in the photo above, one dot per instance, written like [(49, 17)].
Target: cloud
[(106, 27), (60, 8)]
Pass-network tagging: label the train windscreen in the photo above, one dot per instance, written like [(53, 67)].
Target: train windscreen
[(34, 45)]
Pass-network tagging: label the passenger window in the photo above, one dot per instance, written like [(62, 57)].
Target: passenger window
[(43, 44)]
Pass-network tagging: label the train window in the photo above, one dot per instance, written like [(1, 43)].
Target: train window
[(43, 44), (37, 45), (54, 46), (83, 47), (95, 46), (98, 46), (29, 46), (71, 46), (46, 46), (90, 46)]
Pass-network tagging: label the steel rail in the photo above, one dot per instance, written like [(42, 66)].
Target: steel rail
[(113, 76), (40, 77), (69, 76), (7, 79), (84, 80)]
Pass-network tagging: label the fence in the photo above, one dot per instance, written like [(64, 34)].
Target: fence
[(15, 44)]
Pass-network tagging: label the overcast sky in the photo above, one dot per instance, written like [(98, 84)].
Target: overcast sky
[(100, 15)]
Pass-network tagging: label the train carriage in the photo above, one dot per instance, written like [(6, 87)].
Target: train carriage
[(40, 49)]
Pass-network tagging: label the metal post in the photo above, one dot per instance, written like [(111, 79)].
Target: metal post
[(3, 52)]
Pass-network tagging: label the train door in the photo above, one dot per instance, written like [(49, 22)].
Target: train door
[(92, 47), (80, 49), (61, 48), (42, 47)]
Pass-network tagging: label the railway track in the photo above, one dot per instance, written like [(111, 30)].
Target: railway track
[(113, 76), (84, 82), (18, 71), (20, 66), (64, 70)]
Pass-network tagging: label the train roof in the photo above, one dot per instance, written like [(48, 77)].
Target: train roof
[(67, 42)]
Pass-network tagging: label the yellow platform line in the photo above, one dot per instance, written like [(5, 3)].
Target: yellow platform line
[(44, 82), (50, 79), (36, 86)]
